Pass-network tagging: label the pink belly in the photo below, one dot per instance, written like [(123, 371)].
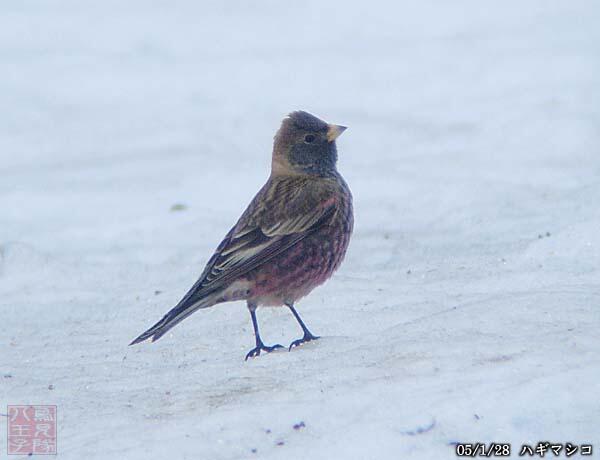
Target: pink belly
[(300, 269)]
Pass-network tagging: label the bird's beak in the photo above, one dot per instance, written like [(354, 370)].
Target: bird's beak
[(334, 131)]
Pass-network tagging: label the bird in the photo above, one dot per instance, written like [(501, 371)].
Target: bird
[(290, 239)]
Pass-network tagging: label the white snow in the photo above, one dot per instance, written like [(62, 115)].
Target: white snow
[(468, 306)]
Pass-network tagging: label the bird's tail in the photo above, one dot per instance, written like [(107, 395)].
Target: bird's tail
[(180, 312)]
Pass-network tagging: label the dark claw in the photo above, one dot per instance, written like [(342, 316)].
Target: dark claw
[(306, 338), (256, 351)]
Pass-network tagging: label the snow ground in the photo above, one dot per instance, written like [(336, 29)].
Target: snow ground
[(468, 305)]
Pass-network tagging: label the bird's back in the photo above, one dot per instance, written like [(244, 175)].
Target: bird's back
[(312, 260)]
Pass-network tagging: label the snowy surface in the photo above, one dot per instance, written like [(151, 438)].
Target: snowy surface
[(468, 305)]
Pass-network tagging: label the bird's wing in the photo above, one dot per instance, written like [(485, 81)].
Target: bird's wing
[(281, 215)]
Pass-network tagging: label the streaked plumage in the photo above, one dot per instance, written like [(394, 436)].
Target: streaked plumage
[(291, 238)]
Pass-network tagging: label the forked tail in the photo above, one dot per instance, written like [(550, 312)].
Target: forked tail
[(180, 312)]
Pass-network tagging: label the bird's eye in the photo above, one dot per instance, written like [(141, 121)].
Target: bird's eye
[(309, 138)]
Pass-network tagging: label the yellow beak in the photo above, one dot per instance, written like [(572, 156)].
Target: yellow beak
[(334, 132)]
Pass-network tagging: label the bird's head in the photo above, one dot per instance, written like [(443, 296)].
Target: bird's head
[(305, 145)]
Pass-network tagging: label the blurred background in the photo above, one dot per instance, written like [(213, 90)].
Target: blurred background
[(141, 105), (132, 136)]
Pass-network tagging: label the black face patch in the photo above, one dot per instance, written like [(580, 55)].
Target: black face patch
[(318, 156)]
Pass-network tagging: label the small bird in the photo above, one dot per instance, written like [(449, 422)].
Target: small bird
[(291, 238)]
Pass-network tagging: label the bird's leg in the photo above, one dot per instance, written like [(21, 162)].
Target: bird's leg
[(308, 336), (260, 346)]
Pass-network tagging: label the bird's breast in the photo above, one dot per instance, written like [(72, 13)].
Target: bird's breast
[(310, 262)]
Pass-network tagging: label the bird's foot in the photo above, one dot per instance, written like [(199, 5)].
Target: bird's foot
[(262, 347), (308, 337)]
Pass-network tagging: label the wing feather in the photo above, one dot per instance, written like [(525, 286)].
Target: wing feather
[(279, 217), (239, 256)]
